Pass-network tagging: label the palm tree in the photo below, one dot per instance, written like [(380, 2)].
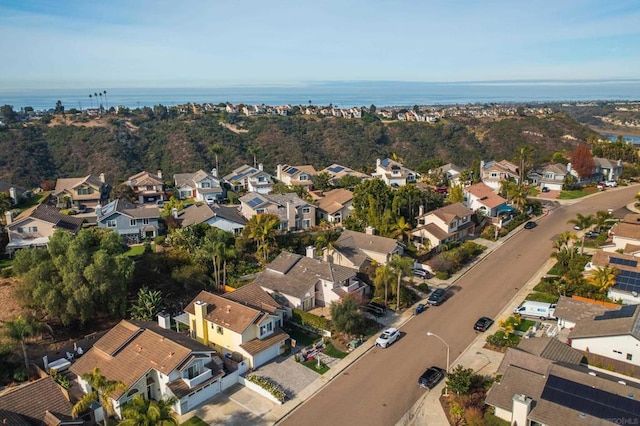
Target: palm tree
[(519, 197), (603, 278), (262, 229), (254, 150), (19, 330), (142, 412), (401, 230), (100, 94), (583, 222), (401, 266), (384, 277), (91, 99), (523, 155), (215, 150), (601, 219), (102, 391), (106, 101)]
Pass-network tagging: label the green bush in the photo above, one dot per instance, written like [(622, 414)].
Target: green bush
[(424, 287), (6, 272), (442, 275), (305, 318), (269, 385)]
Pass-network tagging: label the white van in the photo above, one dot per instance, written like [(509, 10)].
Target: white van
[(540, 310)]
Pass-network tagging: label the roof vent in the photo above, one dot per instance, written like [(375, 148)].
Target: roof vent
[(228, 308), (582, 415)]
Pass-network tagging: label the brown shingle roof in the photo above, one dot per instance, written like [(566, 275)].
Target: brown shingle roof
[(256, 346), (252, 295), (575, 310), (623, 321), (203, 212), (451, 212), (335, 200), (50, 214), (552, 349), (144, 178), (626, 230), (432, 229), (226, 312), (485, 195), (360, 240), (32, 400)]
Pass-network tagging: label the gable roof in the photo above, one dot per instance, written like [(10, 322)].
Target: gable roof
[(338, 171), (67, 184), (619, 322), (362, 241), (226, 312), (626, 230), (254, 296), (32, 401), (576, 308), (131, 348), (241, 173), (144, 178), (294, 275), (334, 200), (451, 212), (50, 214), (551, 349), (129, 209), (190, 179), (485, 195), (199, 213)]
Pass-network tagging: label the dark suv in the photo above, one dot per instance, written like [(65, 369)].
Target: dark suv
[(437, 297), (431, 377)]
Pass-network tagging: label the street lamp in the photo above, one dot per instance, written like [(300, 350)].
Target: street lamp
[(446, 390)]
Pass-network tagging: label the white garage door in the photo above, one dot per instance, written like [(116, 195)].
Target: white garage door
[(202, 394), (266, 356)]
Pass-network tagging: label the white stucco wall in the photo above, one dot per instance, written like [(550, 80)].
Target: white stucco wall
[(614, 347)]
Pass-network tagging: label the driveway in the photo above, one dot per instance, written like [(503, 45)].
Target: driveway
[(289, 374)]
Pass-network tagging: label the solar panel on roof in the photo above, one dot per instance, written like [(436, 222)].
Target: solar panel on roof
[(385, 162), (626, 311), (592, 401), (624, 262), (254, 202), (336, 169), (628, 281)]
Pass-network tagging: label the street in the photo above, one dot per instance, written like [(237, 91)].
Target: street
[(382, 385)]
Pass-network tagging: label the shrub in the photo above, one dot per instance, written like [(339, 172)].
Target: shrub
[(442, 275), (269, 385), (305, 318), (424, 287)]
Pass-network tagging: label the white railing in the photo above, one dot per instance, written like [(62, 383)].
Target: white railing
[(206, 374)]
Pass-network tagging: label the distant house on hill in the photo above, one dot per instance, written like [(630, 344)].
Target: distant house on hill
[(393, 173), (201, 186), (250, 179), (148, 187), (296, 175), (227, 218), (80, 193)]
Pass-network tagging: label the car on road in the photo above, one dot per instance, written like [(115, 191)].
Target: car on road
[(421, 273), (438, 296), (483, 324), (431, 377), (530, 225), (387, 337), (592, 235), (577, 227), (611, 183)]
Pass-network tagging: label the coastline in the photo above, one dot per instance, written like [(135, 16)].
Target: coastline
[(626, 132)]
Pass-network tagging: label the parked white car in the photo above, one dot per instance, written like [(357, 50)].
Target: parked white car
[(611, 183), (387, 337)]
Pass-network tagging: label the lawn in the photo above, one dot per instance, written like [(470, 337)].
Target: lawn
[(331, 351), (302, 339), (5, 262), (576, 193), (135, 251), (194, 421), (524, 324), (313, 364)]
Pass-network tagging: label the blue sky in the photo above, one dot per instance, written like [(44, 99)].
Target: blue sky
[(157, 43)]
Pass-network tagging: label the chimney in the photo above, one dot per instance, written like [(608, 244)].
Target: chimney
[(13, 193), (521, 409), (311, 252), (378, 162), (260, 167), (370, 230), (159, 173), (164, 320), (8, 217), (420, 210), (279, 172), (98, 210), (200, 309), (291, 215), (101, 177), (214, 172), (568, 167), (174, 212)]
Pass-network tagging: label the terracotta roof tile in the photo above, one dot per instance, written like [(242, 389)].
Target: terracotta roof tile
[(256, 346), (32, 400), (226, 312)]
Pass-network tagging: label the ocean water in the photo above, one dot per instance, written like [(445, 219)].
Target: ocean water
[(340, 94), (629, 138)]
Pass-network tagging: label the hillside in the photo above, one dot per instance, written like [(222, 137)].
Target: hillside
[(122, 146)]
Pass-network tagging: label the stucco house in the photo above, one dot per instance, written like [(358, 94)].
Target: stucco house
[(480, 197), (135, 224), (337, 171), (34, 227), (80, 193), (296, 175), (550, 176), (571, 310), (494, 172), (625, 235), (450, 171), (148, 187), (306, 282), (155, 362), (627, 281), (201, 186), (246, 322), (613, 334), (446, 224), (607, 169), (227, 218), (394, 173), (335, 206), (250, 179), (294, 212), (357, 249)]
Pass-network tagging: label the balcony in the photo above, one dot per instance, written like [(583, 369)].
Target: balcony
[(195, 381)]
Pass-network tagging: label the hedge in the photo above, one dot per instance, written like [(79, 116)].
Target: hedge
[(269, 385), (305, 318)]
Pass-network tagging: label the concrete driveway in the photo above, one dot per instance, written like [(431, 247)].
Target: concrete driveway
[(289, 374)]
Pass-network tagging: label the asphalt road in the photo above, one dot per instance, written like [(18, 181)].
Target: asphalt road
[(382, 385)]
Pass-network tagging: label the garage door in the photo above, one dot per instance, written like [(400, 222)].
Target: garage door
[(202, 394), (266, 356)]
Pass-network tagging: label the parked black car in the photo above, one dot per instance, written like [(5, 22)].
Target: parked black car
[(438, 296), (431, 377), (483, 324), (530, 225)]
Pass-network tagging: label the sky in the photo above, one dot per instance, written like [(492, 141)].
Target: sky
[(187, 43)]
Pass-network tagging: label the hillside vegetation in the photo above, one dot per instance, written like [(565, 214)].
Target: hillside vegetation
[(122, 146)]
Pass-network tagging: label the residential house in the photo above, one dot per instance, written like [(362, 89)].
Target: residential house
[(606, 169), (250, 179), (571, 310), (336, 171), (155, 362), (446, 224), (14, 191), (227, 218), (306, 282), (294, 212), (34, 227), (200, 186), (147, 187), (493, 173), (550, 176), (627, 280), (81, 193), (39, 402), (394, 173), (480, 197), (613, 334), (135, 224), (335, 206), (550, 386), (239, 324), (625, 235), (358, 250), (296, 175), (450, 171)]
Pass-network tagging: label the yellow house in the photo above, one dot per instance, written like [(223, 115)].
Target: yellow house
[(247, 321)]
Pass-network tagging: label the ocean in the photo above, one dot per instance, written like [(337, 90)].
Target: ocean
[(340, 94)]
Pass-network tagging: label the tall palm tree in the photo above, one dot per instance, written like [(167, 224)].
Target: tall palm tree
[(262, 228), (254, 150), (19, 330), (583, 222), (401, 266), (401, 230), (91, 99), (100, 94), (143, 412), (215, 150), (106, 101), (601, 219), (523, 155), (603, 278), (384, 277), (102, 391)]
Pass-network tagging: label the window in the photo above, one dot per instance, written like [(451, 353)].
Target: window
[(206, 184), (132, 222), (304, 177), (32, 229), (145, 221), (617, 352), (85, 191), (112, 223), (219, 330), (193, 371), (629, 357), (494, 174), (306, 223), (306, 210), (185, 194), (20, 230), (259, 211)]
